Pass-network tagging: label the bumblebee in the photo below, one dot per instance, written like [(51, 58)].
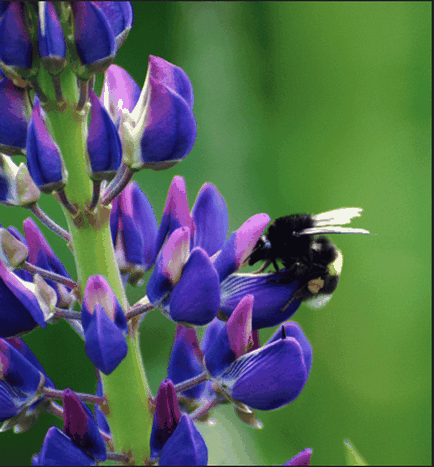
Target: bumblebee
[(312, 260)]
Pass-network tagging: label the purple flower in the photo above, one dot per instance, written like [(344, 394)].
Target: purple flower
[(80, 425), (14, 115), (273, 375), (24, 307), (104, 324), (103, 143), (185, 284), (208, 220), (157, 127), (45, 162), (21, 380), (166, 418), (28, 417), (59, 449), (51, 42), (134, 232), (100, 29), (186, 446), (15, 43), (232, 340), (186, 361), (41, 255)]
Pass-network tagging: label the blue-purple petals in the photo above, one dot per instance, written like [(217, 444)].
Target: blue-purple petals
[(104, 324), (274, 302), (185, 284), (45, 162), (14, 115), (186, 446), (94, 37), (271, 376), (41, 255), (103, 143), (59, 449), (15, 44), (186, 361), (23, 309), (232, 341), (120, 17), (51, 42), (134, 232), (208, 221), (20, 381), (161, 129), (80, 425)]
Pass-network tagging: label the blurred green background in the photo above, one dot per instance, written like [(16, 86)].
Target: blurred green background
[(300, 107)]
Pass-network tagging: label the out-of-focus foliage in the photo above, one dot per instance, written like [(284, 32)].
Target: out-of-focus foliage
[(301, 107)]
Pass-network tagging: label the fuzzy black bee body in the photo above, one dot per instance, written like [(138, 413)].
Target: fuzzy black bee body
[(312, 260)]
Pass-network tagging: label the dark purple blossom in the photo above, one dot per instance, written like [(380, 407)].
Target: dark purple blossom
[(80, 425), (166, 418)]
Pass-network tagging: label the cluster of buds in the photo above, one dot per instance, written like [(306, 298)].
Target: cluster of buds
[(84, 149)]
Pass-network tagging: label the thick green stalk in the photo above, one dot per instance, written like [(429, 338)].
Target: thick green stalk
[(126, 388)]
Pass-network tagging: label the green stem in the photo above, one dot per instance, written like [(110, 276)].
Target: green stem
[(126, 388)]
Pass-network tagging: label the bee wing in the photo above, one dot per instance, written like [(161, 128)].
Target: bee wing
[(336, 216), (318, 301), (332, 230)]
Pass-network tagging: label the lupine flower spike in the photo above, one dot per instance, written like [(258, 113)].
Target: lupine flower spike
[(84, 149)]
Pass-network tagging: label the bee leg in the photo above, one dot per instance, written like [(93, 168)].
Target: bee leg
[(276, 267), (297, 294), (263, 267)]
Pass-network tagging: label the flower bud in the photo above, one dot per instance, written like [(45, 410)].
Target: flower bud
[(103, 143), (80, 425), (51, 42), (15, 42), (14, 116), (166, 418), (134, 232), (45, 162)]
